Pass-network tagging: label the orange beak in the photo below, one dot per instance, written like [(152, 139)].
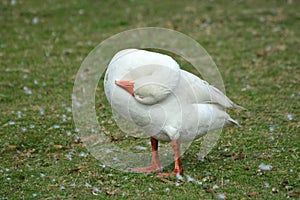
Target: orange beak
[(126, 85)]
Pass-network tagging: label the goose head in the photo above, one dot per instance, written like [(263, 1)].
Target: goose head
[(146, 77), (147, 93)]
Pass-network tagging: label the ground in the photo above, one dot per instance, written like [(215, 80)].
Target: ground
[(255, 45)]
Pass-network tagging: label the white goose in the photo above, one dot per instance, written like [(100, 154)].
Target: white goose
[(170, 104)]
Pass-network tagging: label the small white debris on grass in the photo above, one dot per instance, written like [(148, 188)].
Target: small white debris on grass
[(189, 179), (275, 190), (72, 184), (271, 138), (272, 128), (167, 189), (77, 130), (35, 20), (87, 185), (81, 12), (247, 87), (69, 133), (19, 114), (263, 166), (89, 43), (199, 182), (289, 117), (179, 177), (69, 109), (77, 139), (36, 82), (31, 126), (13, 2), (8, 179), (42, 175), (75, 101), (108, 151), (177, 184), (115, 159), (149, 189), (64, 117), (95, 190), (42, 112), (24, 129), (27, 90), (269, 48), (141, 148), (262, 19), (215, 186), (83, 154), (56, 126), (221, 196), (11, 123), (266, 185), (62, 187)]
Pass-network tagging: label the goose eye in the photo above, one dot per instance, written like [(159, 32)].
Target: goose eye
[(140, 96)]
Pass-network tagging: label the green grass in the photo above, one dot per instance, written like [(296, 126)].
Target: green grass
[(255, 45)]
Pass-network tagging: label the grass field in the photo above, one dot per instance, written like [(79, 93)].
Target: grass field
[(255, 45)]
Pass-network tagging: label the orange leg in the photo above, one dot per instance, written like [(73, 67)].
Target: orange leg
[(178, 164), (156, 165)]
